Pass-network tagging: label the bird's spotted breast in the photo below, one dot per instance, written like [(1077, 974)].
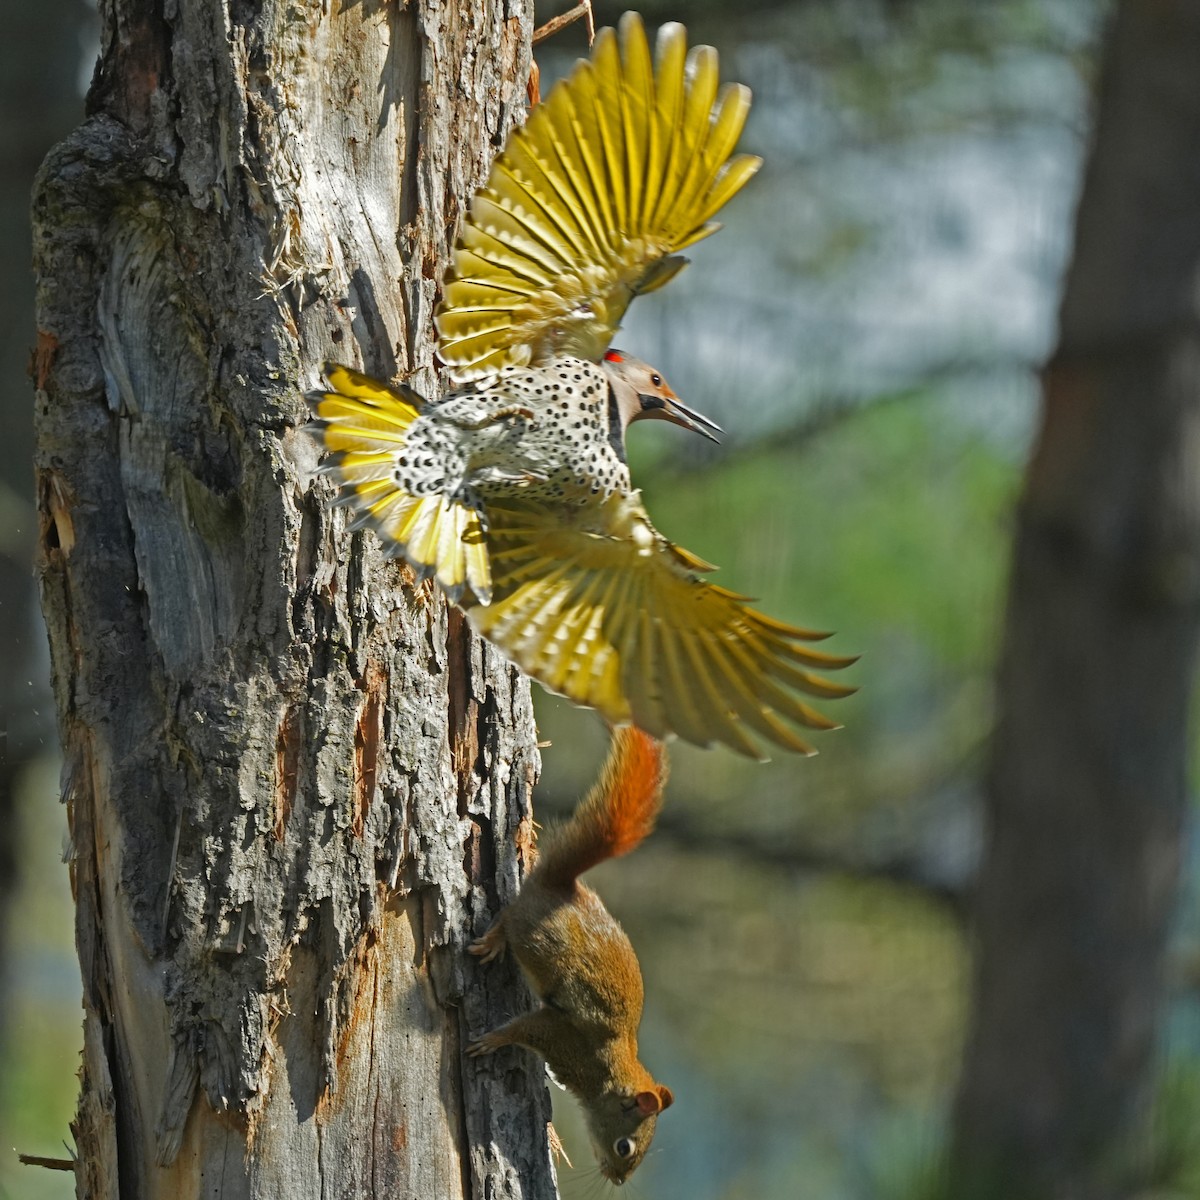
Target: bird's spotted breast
[(568, 437)]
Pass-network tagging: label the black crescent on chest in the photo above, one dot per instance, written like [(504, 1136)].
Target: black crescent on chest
[(616, 435)]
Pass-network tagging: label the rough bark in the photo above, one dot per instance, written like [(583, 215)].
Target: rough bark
[(1087, 790), (297, 785)]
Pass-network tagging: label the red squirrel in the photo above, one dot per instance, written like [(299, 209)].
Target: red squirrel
[(579, 961)]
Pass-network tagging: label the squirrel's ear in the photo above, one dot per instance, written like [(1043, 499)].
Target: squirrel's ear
[(648, 1103), (664, 1095)]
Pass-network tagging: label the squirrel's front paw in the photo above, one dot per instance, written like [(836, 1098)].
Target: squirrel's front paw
[(490, 946), (488, 1044)]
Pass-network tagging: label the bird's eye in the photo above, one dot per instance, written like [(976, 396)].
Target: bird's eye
[(656, 379), (624, 1147)]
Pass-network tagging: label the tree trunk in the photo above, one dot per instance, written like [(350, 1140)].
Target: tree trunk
[(297, 785), (1087, 788)]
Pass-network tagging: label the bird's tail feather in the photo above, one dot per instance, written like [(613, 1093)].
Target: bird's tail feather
[(364, 423)]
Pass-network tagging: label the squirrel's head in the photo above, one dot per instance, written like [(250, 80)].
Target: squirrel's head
[(622, 1127)]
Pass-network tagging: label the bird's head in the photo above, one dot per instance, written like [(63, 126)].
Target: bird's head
[(641, 393)]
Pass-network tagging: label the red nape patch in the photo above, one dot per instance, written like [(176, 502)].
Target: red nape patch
[(614, 356)]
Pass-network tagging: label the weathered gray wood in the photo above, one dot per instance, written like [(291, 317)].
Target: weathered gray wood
[(297, 785), (1088, 774)]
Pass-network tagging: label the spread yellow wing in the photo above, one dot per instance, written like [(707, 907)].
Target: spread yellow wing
[(364, 424), (621, 167), (603, 610)]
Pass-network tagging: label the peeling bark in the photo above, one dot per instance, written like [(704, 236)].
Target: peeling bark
[(297, 785)]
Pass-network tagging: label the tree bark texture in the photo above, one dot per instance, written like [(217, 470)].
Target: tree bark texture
[(297, 785), (1087, 787)]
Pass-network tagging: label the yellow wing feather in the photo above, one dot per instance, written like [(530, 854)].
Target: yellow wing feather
[(621, 167), (364, 424), (601, 609)]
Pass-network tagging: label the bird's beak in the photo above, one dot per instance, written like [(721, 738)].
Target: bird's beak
[(678, 413)]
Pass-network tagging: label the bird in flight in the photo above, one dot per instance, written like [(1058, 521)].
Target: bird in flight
[(513, 490)]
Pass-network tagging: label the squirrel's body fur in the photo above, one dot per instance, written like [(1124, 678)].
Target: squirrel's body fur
[(580, 963)]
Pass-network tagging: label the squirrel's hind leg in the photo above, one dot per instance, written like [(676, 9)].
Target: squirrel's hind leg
[(492, 944)]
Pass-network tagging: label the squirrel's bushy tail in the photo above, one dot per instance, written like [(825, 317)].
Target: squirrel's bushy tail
[(616, 814)]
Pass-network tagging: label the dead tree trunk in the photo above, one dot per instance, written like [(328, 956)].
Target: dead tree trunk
[(1087, 793), (296, 783)]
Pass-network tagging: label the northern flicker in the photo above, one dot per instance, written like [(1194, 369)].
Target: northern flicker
[(512, 490)]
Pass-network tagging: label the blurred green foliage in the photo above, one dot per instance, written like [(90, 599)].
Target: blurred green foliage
[(817, 998), (867, 328), (42, 1033), (1174, 1151), (892, 526)]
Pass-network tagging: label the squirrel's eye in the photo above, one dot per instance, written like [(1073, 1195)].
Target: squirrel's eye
[(625, 1147), (656, 379)]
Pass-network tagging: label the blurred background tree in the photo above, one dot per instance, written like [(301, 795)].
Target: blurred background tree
[(869, 327), (1087, 795)]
